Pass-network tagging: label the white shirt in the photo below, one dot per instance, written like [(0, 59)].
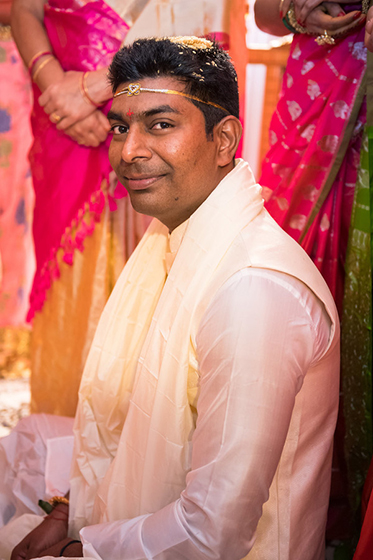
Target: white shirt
[(260, 335)]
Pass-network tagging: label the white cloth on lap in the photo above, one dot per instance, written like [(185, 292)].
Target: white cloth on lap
[(16, 530), (35, 461)]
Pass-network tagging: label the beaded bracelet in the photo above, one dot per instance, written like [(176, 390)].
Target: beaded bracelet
[(84, 91), (66, 545), (35, 59)]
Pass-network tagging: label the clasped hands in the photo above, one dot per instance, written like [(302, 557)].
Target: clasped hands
[(48, 538), (73, 113), (319, 17)]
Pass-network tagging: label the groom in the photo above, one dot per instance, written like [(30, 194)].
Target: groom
[(209, 398)]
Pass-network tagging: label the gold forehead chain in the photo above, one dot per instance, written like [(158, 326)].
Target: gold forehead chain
[(135, 89)]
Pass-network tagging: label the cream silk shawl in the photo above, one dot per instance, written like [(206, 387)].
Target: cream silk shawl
[(134, 422)]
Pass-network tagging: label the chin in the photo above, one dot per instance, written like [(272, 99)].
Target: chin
[(141, 205)]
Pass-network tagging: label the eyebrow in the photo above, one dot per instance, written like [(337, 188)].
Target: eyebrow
[(112, 115)]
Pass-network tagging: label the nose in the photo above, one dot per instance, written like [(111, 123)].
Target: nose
[(135, 146)]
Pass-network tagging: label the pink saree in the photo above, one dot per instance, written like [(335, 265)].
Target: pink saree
[(67, 177), (16, 194), (309, 172), (315, 185)]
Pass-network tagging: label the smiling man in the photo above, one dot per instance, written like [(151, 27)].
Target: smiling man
[(160, 161), (163, 147), (209, 399)]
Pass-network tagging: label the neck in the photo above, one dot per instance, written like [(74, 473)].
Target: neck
[(178, 220)]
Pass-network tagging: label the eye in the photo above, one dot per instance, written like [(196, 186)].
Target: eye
[(162, 125), (117, 129)]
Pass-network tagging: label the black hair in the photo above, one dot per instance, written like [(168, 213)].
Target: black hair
[(208, 73)]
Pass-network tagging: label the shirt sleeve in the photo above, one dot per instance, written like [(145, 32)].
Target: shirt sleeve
[(255, 343)]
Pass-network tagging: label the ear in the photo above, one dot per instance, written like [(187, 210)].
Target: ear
[(227, 135)]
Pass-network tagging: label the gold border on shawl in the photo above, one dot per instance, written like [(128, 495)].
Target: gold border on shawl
[(340, 155)]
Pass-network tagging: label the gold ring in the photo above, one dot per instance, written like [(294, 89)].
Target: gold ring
[(325, 39), (55, 118)]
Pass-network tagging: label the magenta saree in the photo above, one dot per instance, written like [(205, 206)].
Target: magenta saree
[(310, 170), (315, 186), (68, 177)]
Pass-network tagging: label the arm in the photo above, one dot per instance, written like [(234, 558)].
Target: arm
[(252, 356), (5, 7), (62, 94), (268, 17), (31, 38)]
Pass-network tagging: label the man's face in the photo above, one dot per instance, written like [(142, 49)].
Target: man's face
[(161, 154)]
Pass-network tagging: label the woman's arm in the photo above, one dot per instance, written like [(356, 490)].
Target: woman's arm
[(5, 7), (267, 17), (78, 117), (66, 99), (31, 38)]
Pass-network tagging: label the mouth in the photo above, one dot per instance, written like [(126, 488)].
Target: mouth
[(141, 182)]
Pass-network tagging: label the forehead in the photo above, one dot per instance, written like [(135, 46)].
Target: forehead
[(146, 100)]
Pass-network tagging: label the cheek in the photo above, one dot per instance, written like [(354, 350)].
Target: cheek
[(184, 156), (114, 153)]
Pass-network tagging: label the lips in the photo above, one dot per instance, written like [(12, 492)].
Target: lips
[(141, 182)]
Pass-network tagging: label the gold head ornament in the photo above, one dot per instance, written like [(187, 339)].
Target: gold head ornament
[(136, 89)]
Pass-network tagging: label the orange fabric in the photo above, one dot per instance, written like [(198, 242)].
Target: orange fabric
[(64, 329), (237, 50)]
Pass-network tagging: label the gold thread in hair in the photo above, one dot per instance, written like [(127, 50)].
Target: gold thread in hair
[(135, 89), (192, 42)]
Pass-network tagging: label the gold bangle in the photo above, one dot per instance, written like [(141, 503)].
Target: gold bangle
[(58, 500), (40, 68), (34, 59), (292, 20), (84, 91)]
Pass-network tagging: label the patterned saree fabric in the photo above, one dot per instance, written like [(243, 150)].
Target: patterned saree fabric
[(304, 193), (16, 194), (68, 177), (315, 185)]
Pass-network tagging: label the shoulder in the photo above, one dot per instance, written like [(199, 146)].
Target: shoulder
[(262, 302)]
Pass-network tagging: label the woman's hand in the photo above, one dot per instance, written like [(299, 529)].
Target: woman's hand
[(91, 130), (303, 9), (320, 20), (50, 532), (65, 99)]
